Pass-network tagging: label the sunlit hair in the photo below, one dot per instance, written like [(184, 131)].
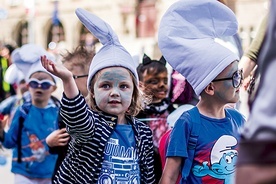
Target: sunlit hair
[(137, 101), (80, 56)]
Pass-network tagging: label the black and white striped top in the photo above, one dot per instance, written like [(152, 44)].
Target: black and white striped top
[(90, 132)]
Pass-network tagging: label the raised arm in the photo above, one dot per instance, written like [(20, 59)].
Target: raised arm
[(69, 85)]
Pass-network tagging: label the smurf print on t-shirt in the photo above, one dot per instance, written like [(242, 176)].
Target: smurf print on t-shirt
[(222, 160)]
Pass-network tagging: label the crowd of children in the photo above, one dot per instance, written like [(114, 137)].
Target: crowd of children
[(108, 124)]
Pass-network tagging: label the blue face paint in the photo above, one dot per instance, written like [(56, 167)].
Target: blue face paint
[(113, 90), (225, 91)]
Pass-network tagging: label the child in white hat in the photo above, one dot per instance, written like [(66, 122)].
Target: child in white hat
[(33, 121), (186, 39), (108, 145), (14, 77)]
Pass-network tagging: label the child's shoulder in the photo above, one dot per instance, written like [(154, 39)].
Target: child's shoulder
[(235, 114)]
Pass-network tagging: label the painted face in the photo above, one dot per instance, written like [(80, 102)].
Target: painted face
[(226, 91), (39, 93), (156, 85), (113, 90), (80, 76)]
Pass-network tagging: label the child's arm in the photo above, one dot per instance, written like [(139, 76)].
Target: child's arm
[(171, 170), (9, 138), (69, 85)]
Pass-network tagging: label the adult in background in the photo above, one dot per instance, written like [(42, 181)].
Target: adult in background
[(257, 159)]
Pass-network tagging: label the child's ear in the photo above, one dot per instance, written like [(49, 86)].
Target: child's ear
[(210, 89)]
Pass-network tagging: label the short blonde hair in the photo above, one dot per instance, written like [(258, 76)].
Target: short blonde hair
[(137, 102)]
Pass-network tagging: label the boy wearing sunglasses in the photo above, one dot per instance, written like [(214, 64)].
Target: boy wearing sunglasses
[(187, 35), (33, 121)]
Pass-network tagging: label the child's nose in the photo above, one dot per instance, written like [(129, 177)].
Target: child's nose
[(114, 92), (162, 83)]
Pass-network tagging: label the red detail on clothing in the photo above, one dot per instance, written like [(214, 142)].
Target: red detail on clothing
[(163, 145)]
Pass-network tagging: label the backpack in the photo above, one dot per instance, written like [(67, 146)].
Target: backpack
[(24, 112), (192, 142)]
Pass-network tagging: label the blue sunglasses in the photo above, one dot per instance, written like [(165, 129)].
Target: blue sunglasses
[(43, 84)]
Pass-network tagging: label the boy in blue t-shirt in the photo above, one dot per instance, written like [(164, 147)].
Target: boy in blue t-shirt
[(33, 121), (188, 36)]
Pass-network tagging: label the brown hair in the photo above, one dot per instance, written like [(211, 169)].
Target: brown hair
[(223, 2), (136, 104), (79, 57)]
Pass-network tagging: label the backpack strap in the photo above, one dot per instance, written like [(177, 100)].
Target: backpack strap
[(192, 141), (24, 112), (56, 101)]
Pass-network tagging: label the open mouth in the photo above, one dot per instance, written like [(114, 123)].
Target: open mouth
[(38, 92), (114, 102)]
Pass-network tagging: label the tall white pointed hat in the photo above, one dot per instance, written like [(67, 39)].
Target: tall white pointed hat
[(186, 38), (112, 53)]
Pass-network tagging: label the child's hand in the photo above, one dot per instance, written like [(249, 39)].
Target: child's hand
[(58, 138), (57, 70), (69, 85)]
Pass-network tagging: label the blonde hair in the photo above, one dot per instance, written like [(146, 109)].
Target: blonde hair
[(137, 101)]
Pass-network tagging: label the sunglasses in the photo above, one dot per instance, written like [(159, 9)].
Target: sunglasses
[(79, 76), (43, 84), (236, 78)]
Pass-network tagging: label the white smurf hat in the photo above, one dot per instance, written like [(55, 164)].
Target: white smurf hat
[(186, 38), (27, 59), (112, 53)]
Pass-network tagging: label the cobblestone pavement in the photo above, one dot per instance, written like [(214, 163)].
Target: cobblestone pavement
[(6, 176)]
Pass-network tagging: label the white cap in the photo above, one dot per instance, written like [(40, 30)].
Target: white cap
[(112, 53), (186, 38), (27, 59)]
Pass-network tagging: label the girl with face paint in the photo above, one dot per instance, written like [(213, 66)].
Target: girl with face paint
[(108, 145), (153, 80)]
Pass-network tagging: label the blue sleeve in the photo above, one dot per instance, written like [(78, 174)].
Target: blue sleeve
[(179, 138), (10, 137)]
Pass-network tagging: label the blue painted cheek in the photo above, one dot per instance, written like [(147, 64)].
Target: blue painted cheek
[(126, 96)]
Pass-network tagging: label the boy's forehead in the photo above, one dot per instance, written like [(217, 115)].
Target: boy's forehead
[(41, 75), (230, 69)]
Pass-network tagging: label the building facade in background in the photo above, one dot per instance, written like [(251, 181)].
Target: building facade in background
[(54, 25)]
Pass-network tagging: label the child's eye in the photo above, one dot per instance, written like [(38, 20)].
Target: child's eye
[(105, 86), (124, 86), (152, 81)]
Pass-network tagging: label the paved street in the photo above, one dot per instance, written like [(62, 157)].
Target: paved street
[(6, 176)]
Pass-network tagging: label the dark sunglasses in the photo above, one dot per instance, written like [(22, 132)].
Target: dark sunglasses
[(79, 76), (236, 78), (43, 84)]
